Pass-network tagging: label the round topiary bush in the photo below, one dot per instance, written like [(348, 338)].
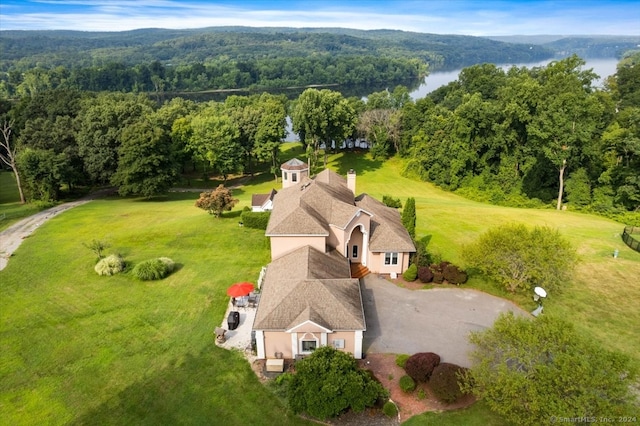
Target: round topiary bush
[(444, 382), (390, 409), (454, 275), (420, 366), (407, 384), (411, 273), (424, 274), (170, 264), (401, 360), (152, 269), (110, 265)]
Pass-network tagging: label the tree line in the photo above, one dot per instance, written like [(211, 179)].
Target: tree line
[(216, 74), (530, 137)]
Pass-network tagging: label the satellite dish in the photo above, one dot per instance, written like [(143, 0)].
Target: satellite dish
[(540, 291)]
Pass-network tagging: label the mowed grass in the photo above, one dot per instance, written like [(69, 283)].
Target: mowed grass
[(602, 299), (82, 349)]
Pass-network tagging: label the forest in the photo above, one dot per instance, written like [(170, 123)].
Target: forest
[(159, 61), (535, 137)]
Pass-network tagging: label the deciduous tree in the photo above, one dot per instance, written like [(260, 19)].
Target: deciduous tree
[(520, 258), (217, 201), (8, 155), (532, 371)]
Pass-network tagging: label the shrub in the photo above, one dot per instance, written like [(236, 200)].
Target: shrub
[(389, 201), (438, 274), (411, 273), (407, 384), (444, 382), (390, 409), (424, 274), (420, 366), (454, 275), (255, 220), (170, 264), (327, 368), (401, 360), (421, 257), (152, 269), (110, 265)]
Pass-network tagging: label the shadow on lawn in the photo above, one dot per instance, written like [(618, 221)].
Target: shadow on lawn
[(356, 160), (193, 389)]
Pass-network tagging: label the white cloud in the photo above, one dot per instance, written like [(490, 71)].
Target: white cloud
[(459, 17)]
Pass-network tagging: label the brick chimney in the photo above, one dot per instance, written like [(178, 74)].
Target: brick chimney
[(351, 181)]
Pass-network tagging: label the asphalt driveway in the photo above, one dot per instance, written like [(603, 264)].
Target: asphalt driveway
[(436, 320)]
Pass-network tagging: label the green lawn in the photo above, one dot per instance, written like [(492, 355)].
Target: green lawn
[(10, 208), (78, 348), (83, 349)]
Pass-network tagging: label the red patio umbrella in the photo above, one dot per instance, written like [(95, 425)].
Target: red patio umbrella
[(240, 289)]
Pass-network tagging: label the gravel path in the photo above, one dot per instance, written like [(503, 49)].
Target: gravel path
[(11, 238)]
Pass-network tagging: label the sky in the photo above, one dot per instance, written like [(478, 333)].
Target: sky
[(468, 17)]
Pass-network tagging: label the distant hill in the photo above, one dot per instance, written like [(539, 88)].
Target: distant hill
[(584, 46), (20, 50)]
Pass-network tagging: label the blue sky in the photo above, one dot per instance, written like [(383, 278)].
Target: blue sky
[(471, 17)]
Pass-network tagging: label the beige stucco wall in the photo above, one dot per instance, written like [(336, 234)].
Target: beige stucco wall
[(348, 340), (282, 245), (279, 341), (338, 237), (377, 266)]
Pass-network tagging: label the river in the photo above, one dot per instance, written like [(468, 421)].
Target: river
[(603, 67)]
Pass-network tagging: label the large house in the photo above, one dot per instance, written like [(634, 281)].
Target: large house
[(320, 231)]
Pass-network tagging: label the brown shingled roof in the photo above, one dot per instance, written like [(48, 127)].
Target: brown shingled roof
[(324, 200), (294, 164), (261, 199), (387, 231), (318, 289)]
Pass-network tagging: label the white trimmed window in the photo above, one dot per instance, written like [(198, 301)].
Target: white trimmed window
[(338, 343), (391, 258), (286, 176), (294, 177), (308, 346)]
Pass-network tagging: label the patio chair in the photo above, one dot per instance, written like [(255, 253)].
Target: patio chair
[(252, 301)]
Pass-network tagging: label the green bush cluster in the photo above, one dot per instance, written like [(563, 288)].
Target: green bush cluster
[(392, 202), (390, 409), (445, 382), (441, 272), (329, 369), (407, 384), (411, 273), (401, 360), (255, 220), (420, 366), (153, 269), (110, 265)]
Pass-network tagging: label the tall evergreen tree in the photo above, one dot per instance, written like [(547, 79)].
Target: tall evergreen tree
[(409, 216)]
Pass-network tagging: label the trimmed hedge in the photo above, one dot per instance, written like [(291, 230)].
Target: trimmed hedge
[(424, 274), (255, 220), (411, 273), (389, 201), (401, 360), (445, 382), (390, 409), (454, 275), (407, 384), (153, 269), (110, 265), (420, 366)]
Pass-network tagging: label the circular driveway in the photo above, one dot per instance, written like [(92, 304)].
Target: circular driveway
[(437, 320)]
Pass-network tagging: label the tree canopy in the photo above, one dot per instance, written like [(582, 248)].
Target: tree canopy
[(520, 258), (532, 371)]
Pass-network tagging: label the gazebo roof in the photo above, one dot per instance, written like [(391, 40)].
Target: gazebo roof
[(294, 164)]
